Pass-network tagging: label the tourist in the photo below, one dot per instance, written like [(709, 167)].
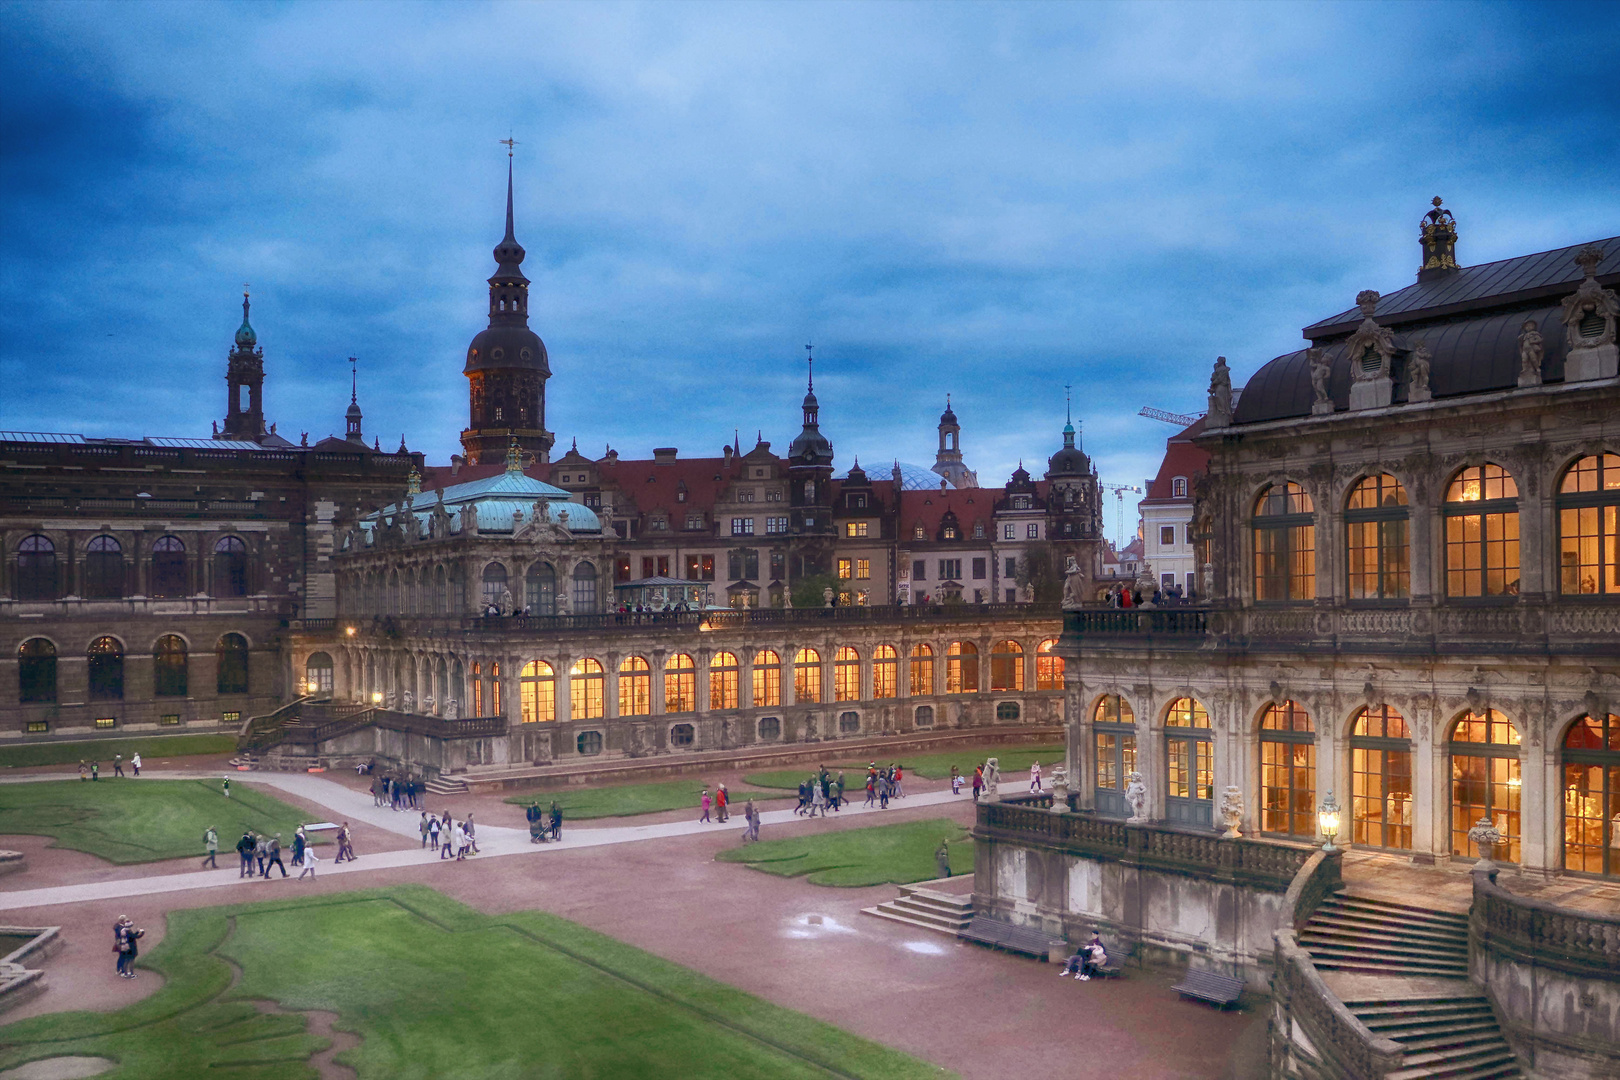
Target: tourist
[(751, 816), (721, 799), (135, 760), (345, 842), (376, 791), (978, 781), (472, 833), (261, 851), (424, 828), (211, 846), (461, 842), (244, 848), (118, 764), (537, 822), (956, 780), (885, 788), (703, 801), (818, 798), (556, 820), (942, 860), (95, 770), (1087, 960), (433, 832), (1035, 776), (835, 792), (307, 862), (225, 787), (449, 848), (871, 789), (804, 797), (84, 770), (899, 775), (272, 857), (125, 938), (300, 842)]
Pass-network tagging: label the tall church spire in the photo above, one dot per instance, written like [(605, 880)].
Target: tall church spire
[(244, 383)]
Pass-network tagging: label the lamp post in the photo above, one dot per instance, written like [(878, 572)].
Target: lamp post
[(1327, 818), (314, 687), (376, 697)]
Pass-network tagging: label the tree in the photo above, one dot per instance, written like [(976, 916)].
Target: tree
[(1039, 571), (810, 592)]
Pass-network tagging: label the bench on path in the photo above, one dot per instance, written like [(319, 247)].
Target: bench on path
[(1221, 990), (1003, 935)]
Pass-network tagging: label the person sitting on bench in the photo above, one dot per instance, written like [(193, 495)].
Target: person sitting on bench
[(1087, 960)]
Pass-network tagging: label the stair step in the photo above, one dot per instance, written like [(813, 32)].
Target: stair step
[(1394, 921), (963, 911), (1386, 909), (1382, 947), (1500, 1067), (1344, 923), (1333, 950), (883, 912), (943, 922), (1473, 1056), (1407, 1006), (1416, 1022), (1351, 967), (1462, 1037)]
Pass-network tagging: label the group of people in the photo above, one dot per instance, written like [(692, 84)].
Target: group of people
[(884, 784), (91, 770), (452, 839), (544, 825), (1088, 960), (720, 800), (820, 793), (260, 854), (1121, 597), (397, 793)]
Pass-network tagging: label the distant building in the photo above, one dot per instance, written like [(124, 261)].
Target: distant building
[(1168, 532)]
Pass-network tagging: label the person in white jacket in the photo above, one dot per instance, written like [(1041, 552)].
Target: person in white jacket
[(1035, 777), (309, 862)]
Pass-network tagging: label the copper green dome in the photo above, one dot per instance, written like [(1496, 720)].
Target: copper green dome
[(245, 337)]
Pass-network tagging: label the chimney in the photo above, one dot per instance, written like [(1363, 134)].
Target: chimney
[(456, 462), (728, 452), (664, 455)]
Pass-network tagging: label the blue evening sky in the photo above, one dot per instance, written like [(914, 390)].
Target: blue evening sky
[(986, 200)]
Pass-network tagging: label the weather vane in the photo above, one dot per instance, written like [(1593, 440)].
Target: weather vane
[(509, 143), (810, 352)]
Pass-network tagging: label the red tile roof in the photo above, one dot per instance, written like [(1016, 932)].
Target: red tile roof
[(1181, 458)]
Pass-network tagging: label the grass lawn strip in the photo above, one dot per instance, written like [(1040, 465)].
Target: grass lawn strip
[(627, 800), (102, 750), (551, 999), (892, 854), (135, 821), (932, 766)]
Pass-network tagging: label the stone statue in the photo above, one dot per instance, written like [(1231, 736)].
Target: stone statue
[(427, 705), (1206, 581), (992, 781), (452, 709), (390, 700), (1531, 351), (1487, 836), (1232, 811), (562, 520), (1417, 374), (506, 601), (1060, 789), (1073, 587), (542, 511), (1220, 395), (827, 597), (407, 702), (1320, 370), (1136, 797)]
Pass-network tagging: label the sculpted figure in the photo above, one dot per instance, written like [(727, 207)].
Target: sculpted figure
[(1220, 394), (992, 781), (506, 601), (1136, 796), (1531, 351), (1417, 374), (1060, 789), (1320, 370), (408, 702), (452, 709), (1073, 587), (1232, 811)]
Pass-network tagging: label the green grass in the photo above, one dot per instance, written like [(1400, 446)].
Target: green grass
[(550, 1000), (102, 750), (137, 821), (896, 854), (627, 800), (931, 766)]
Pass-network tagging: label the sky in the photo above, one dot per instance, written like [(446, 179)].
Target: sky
[(988, 200)]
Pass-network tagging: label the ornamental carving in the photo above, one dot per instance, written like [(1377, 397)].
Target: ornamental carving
[(1371, 348), (1531, 351), (1590, 301)]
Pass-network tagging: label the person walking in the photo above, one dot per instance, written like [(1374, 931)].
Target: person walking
[(978, 781), (472, 833), (136, 762), (751, 816), (956, 780), (871, 789), (84, 770), (703, 801), (345, 842), (536, 819), (424, 828), (95, 770), (118, 764), (899, 775), (261, 851), (307, 862), (225, 787), (721, 799), (376, 788), (1035, 776), (942, 860), (300, 843), (461, 843), (211, 846), (433, 832), (244, 849), (447, 828), (272, 857), (556, 820)]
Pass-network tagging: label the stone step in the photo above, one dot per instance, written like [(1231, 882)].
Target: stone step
[(1488, 1063), (1351, 966), (441, 785), (1376, 905), (1375, 915), (923, 911), (1460, 1037), (1324, 921), (1382, 1007), (1375, 945), (1418, 1023), (1335, 948), (883, 911), (934, 902)]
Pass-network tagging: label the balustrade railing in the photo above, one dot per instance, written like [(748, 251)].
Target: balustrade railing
[(1581, 943), (1344, 1044)]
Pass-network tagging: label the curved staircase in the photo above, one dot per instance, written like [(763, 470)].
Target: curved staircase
[(1356, 933)]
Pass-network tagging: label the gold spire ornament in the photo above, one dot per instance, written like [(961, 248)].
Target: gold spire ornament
[(1438, 235)]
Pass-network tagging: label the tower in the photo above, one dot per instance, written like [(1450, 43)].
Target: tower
[(244, 382), (810, 458), (948, 459), (351, 419), (507, 366)]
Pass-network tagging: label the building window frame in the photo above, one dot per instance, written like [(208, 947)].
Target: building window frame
[(1486, 781), (1481, 534), (1283, 533), (1113, 726), (1588, 509), (1380, 779), (1377, 540)]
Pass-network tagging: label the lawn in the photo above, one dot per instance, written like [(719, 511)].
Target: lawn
[(550, 999), (102, 750), (895, 854), (626, 800), (137, 821), (931, 766)]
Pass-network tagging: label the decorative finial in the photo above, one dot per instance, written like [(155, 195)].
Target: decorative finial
[(1437, 201), (514, 456), (810, 353), (1438, 238), (1588, 259), (510, 142), (1367, 301), (354, 380), (1068, 403), (413, 482)]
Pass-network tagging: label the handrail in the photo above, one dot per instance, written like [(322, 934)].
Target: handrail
[(1321, 876), (1346, 1045), (1580, 943)]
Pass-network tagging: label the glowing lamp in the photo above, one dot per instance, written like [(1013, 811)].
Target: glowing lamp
[(1327, 818)]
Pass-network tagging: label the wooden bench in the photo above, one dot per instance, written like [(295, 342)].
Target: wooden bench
[(1222, 990), (1002, 935)]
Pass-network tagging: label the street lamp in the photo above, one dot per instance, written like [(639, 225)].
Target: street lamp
[(314, 687), (349, 630), (376, 697), (1327, 817)]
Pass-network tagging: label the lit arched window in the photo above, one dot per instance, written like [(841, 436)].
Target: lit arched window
[(635, 687), (319, 677), (36, 568), (1592, 795), (168, 567), (767, 679), (1485, 781), (36, 671), (1482, 533), (169, 666), (1380, 779), (885, 672), (961, 668), (680, 684), (1378, 552), (106, 661), (537, 693), (540, 593), (1589, 527), (585, 693), (495, 708), (723, 684), (1007, 666), (807, 675), (1287, 771), (1189, 764), (477, 689), (846, 674), (230, 567), (584, 589), (922, 670), (231, 664), (103, 569), (1115, 735), (494, 585), (1048, 666), (1284, 544)]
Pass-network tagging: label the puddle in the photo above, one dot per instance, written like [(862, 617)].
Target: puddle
[(60, 1068), (809, 927), (926, 948)]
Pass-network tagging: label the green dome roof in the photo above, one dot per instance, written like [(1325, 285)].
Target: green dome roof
[(245, 337)]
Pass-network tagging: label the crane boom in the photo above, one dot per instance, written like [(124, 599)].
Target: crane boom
[(1119, 491), (1179, 419)]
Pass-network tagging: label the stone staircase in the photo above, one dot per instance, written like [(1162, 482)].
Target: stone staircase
[(1355, 933), (446, 785), (927, 909), (1454, 1038)]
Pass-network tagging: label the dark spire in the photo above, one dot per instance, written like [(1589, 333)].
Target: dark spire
[(352, 417), (509, 253)]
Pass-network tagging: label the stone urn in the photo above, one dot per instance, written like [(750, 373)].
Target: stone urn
[(1486, 836), (1060, 790), (1232, 812)]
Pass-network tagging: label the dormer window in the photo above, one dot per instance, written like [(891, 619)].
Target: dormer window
[(918, 534), (1178, 487), (978, 530), (1370, 360), (680, 496), (949, 532), (1020, 502)]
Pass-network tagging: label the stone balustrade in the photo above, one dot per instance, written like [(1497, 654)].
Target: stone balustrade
[(1310, 1022)]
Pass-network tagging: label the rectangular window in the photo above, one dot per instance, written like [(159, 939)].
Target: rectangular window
[(1008, 531), (1589, 550), (1482, 554), (169, 719), (38, 727), (778, 565), (1378, 559), (646, 566), (1009, 569), (230, 718), (1012, 596), (694, 521), (863, 597), (776, 525), (773, 495), (863, 569), (1032, 531), (663, 566), (1167, 536), (978, 569), (660, 524), (950, 569), (846, 569), (700, 568), (745, 495), (742, 526), (855, 528), (1167, 581), (106, 722), (1178, 487), (744, 564), (1189, 535), (919, 570)]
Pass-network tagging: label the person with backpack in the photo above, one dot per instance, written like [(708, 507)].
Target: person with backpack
[(272, 857), (245, 848), (211, 846)]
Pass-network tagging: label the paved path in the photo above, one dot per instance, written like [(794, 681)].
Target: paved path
[(347, 804)]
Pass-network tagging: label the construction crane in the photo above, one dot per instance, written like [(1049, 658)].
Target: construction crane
[(1178, 419), (1119, 491)]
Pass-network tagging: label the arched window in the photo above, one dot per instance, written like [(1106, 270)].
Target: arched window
[(36, 568), (1115, 734), (396, 594), (477, 683), (585, 694), (767, 679), (682, 735), (106, 661), (1592, 795), (1485, 781), (1284, 544), (724, 688), (1048, 666), (230, 567), (103, 569), (494, 585), (846, 674), (36, 671), (318, 675), (635, 687), (1189, 763), (169, 666), (807, 675), (1007, 666), (1482, 533), (168, 567), (1378, 553), (540, 594), (770, 728), (495, 706), (458, 590), (537, 693), (961, 668), (885, 672), (584, 589), (1287, 771), (231, 665), (680, 684), (922, 670), (1380, 779), (1589, 527)]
